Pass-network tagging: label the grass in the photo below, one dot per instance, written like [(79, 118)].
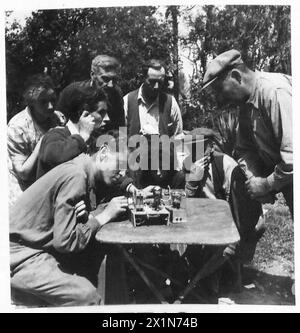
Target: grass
[(268, 279), (277, 244)]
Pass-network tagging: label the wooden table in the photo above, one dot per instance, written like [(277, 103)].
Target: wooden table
[(209, 222)]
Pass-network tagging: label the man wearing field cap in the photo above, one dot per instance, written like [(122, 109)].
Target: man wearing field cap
[(264, 140)]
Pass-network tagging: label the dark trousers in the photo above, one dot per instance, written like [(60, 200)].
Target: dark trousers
[(245, 211)]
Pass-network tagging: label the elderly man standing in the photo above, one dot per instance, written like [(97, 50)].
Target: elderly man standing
[(264, 141), (104, 74)]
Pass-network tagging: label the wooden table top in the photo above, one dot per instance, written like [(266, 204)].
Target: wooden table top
[(209, 223)]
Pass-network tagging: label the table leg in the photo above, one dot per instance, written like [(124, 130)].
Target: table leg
[(216, 261), (113, 287), (150, 285), (157, 271), (167, 276), (102, 280)]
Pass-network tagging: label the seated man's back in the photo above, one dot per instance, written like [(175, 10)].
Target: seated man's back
[(54, 255)]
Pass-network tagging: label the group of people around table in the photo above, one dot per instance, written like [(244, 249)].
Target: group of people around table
[(64, 186)]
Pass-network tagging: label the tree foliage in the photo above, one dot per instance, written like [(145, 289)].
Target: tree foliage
[(261, 33), (65, 41)]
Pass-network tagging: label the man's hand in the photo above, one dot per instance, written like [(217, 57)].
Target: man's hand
[(131, 189), (148, 191), (86, 125), (115, 207), (198, 169), (80, 210), (257, 187)]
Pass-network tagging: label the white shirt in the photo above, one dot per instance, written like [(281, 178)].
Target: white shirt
[(72, 128), (149, 115)]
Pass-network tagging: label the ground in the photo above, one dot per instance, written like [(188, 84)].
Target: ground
[(269, 278)]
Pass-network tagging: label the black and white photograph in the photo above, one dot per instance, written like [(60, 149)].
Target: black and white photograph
[(148, 156)]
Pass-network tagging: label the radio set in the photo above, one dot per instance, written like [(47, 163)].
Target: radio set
[(164, 208)]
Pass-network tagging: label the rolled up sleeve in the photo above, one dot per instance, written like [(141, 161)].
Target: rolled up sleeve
[(18, 148), (281, 117)]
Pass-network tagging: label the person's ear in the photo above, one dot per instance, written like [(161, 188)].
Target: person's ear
[(103, 153), (236, 75)]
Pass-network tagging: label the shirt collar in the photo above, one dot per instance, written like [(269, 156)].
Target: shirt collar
[(72, 128), (27, 110), (140, 95), (253, 99)]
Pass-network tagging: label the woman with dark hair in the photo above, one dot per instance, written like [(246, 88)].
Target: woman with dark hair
[(86, 113), (25, 131)]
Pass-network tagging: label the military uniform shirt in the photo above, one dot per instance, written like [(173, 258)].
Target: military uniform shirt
[(264, 140)]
